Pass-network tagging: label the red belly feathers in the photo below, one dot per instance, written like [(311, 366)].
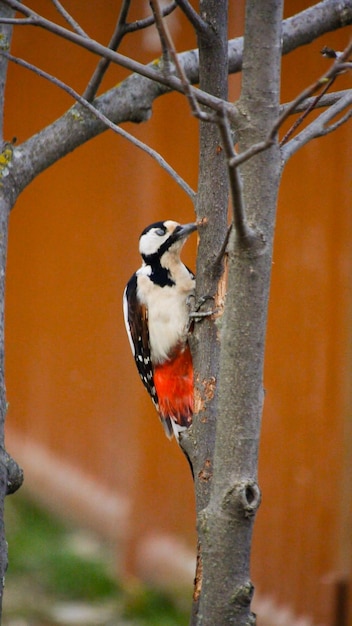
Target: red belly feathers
[(173, 382)]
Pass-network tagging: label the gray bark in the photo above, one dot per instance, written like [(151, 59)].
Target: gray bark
[(211, 208), (225, 524), (133, 99), (10, 474)]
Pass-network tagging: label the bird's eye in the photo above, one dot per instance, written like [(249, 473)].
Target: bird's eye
[(160, 231)]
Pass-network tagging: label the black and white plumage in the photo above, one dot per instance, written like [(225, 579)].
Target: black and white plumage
[(157, 320)]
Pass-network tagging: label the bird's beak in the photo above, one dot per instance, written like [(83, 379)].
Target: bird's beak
[(184, 230)]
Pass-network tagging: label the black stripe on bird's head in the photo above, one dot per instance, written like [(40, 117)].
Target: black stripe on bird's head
[(161, 237)]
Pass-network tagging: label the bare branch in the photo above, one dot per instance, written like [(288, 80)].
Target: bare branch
[(149, 21), (256, 148), (326, 79), (121, 29), (325, 101), (320, 127), (93, 46), (340, 122), (314, 102), (170, 81), (167, 40), (17, 21), (200, 26), (324, 83), (242, 228), (321, 17), (99, 115), (69, 19), (6, 35), (297, 30), (103, 64), (118, 103), (162, 34)]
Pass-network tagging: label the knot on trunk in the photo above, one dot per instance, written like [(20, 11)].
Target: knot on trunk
[(14, 472), (243, 594), (243, 498)]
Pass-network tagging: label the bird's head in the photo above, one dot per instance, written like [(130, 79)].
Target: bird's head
[(161, 237)]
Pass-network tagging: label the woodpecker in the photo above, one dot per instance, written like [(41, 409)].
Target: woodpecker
[(157, 322)]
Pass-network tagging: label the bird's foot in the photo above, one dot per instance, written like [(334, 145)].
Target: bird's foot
[(196, 315)]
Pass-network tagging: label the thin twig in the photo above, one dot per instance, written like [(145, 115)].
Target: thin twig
[(344, 67), (196, 95), (309, 91), (187, 88), (306, 112), (94, 46), (103, 64), (170, 81), (117, 129), (149, 21), (333, 71), (161, 32), (243, 230), (340, 122), (320, 126), (326, 79), (200, 25), (122, 28), (219, 259), (69, 19), (325, 101), (256, 148)]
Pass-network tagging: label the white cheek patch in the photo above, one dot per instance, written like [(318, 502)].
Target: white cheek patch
[(151, 241)]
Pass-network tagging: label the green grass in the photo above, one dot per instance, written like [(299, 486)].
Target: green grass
[(38, 548), (45, 559), (149, 607)]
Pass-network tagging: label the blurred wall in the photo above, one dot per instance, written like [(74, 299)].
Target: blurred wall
[(79, 420)]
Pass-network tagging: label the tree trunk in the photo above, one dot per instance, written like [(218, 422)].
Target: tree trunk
[(226, 524), (212, 200), (10, 474), (4, 212)]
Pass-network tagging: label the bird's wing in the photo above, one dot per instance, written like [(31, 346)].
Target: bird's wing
[(136, 321)]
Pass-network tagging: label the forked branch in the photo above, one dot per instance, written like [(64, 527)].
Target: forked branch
[(122, 28), (166, 40), (109, 124), (69, 19), (322, 126), (327, 78), (198, 24), (324, 83)]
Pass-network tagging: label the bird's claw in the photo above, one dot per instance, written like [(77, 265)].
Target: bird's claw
[(196, 315)]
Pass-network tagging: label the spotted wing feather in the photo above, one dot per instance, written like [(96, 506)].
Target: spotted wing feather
[(136, 320)]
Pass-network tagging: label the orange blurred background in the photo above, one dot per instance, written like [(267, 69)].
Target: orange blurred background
[(79, 420)]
